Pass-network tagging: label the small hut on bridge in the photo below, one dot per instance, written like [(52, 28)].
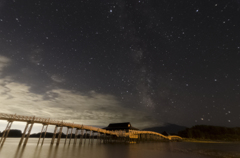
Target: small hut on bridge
[(126, 126)]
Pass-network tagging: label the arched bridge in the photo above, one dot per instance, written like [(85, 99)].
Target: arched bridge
[(85, 131)]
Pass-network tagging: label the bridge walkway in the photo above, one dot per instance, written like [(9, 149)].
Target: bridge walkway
[(102, 133)]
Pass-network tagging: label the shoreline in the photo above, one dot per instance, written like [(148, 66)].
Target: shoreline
[(207, 141)]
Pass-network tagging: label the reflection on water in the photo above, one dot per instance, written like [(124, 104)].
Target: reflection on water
[(19, 151), (93, 149)]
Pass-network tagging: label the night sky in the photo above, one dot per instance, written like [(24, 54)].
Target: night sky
[(96, 62)]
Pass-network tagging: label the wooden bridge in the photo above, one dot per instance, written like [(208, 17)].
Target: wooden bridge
[(102, 134)]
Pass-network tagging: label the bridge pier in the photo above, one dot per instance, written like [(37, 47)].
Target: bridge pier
[(66, 135), (81, 137), (98, 137), (40, 135), (89, 137), (142, 137), (110, 138), (59, 135), (92, 137), (54, 134), (28, 134), (76, 134), (44, 130), (23, 135), (107, 138), (85, 135), (70, 136), (104, 137), (28, 129), (101, 137), (6, 132)]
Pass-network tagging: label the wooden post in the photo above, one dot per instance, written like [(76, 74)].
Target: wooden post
[(29, 130), (76, 133), (40, 134), (85, 134), (28, 134), (98, 135), (70, 136), (23, 134), (59, 135), (90, 133), (81, 136), (92, 137), (104, 137), (45, 131), (54, 134), (66, 136), (6, 132)]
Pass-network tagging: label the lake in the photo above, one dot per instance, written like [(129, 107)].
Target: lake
[(95, 149)]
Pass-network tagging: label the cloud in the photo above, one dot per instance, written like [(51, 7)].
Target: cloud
[(57, 78), (89, 108), (4, 61)]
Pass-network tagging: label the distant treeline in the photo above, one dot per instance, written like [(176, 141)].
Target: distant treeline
[(18, 133), (13, 133), (211, 132)]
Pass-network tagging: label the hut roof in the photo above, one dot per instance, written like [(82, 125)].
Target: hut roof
[(165, 133), (120, 126)]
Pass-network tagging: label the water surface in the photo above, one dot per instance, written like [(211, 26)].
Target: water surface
[(95, 149)]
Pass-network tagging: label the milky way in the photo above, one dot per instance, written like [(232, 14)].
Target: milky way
[(96, 62)]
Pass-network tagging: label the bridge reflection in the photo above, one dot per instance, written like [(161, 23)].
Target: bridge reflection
[(82, 132)]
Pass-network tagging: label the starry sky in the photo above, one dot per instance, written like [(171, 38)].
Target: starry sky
[(142, 61)]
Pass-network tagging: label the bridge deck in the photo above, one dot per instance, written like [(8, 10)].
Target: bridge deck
[(48, 121)]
